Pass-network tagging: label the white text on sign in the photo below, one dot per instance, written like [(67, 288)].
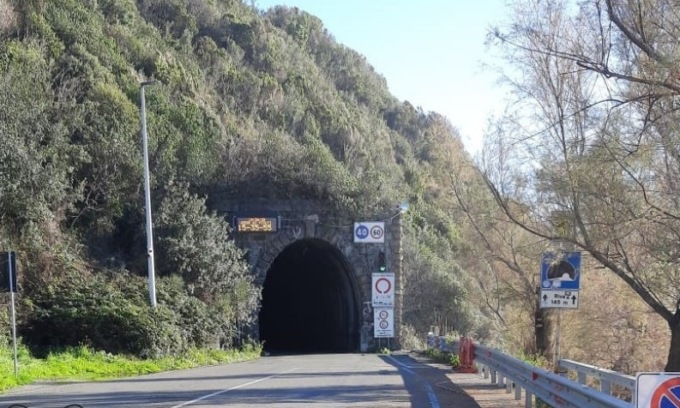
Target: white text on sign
[(383, 322), (562, 299), (369, 232)]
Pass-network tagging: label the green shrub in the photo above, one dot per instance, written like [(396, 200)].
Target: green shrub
[(202, 326), (444, 357), (106, 313)]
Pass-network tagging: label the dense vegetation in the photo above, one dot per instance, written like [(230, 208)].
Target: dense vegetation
[(587, 156), (267, 104), (248, 102)]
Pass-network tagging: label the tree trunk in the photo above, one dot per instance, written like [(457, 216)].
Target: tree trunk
[(673, 362)]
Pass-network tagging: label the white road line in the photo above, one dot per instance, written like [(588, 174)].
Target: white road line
[(434, 402), (184, 404), (404, 366), (399, 363)]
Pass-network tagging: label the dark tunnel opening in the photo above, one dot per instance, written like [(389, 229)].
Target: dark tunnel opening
[(308, 301)]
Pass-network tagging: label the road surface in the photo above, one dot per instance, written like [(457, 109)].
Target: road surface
[(324, 380)]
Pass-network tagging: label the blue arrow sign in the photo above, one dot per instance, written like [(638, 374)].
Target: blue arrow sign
[(562, 271)]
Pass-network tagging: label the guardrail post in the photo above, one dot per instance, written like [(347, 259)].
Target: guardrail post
[(508, 386), (493, 376), (581, 378), (528, 399), (501, 380), (606, 387), (485, 370), (518, 392)]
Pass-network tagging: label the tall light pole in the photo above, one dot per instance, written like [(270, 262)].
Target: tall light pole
[(147, 204)]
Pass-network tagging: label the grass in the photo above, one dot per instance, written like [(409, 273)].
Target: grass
[(83, 363)]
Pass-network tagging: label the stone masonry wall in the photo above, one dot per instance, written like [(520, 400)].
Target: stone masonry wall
[(302, 219)]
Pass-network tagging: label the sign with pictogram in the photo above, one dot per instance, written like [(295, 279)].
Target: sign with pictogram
[(561, 271), (658, 390), (383, 322), (382, 289), (369, 232)]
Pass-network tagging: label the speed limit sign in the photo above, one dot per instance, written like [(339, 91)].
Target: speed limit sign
[(383, 322)]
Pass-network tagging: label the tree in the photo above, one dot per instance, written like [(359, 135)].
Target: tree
[(194, 244), (593, 137), (502, 260), (436, 287)]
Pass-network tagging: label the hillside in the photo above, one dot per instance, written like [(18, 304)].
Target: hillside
[(258, 104)]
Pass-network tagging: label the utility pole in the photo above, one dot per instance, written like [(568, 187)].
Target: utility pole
[(147, 200)]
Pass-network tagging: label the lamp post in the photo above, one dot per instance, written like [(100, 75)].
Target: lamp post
[(147, 204)]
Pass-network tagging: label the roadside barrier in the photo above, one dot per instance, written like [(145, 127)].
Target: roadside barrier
[(605, 378), (510, 372)]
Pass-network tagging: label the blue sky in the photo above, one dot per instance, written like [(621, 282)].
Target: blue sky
[(431, 52)]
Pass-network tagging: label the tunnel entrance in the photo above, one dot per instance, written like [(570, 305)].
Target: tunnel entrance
[(308, 301)]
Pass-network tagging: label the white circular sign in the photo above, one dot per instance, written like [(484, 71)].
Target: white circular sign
[(377, 232)]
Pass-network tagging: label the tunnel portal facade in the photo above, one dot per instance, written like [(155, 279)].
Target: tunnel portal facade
[(316, 281)]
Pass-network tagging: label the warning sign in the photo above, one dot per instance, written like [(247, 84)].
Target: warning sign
[(383, 289), (383, 322), (658, 390)]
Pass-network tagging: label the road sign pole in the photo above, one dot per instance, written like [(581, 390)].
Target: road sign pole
[(557, 339), (10, 255), (14, 336)]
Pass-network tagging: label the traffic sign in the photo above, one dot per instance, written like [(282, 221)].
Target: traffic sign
[(560, 299), (8, 272), (562, 271), (658, 390), (383, 322), (369, 232), (382, 289)]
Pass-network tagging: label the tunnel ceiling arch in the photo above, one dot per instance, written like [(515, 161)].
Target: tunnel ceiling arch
[(309, 301)]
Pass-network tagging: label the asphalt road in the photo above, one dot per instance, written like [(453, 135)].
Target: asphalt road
[(324, 380)]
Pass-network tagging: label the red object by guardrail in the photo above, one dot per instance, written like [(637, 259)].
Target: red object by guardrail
[(466, 356)]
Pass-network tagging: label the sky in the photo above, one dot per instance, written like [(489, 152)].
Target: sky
[(431, 52)]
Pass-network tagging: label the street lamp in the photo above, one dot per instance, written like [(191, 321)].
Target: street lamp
[(147, 190)]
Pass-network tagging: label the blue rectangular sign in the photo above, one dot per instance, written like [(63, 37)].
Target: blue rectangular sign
[(561, 271)]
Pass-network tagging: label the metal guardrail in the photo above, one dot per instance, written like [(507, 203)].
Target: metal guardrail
[(553, 389), (605, 377)]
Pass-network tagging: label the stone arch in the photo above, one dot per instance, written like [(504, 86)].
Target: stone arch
[(311, 300), (308, 219)]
